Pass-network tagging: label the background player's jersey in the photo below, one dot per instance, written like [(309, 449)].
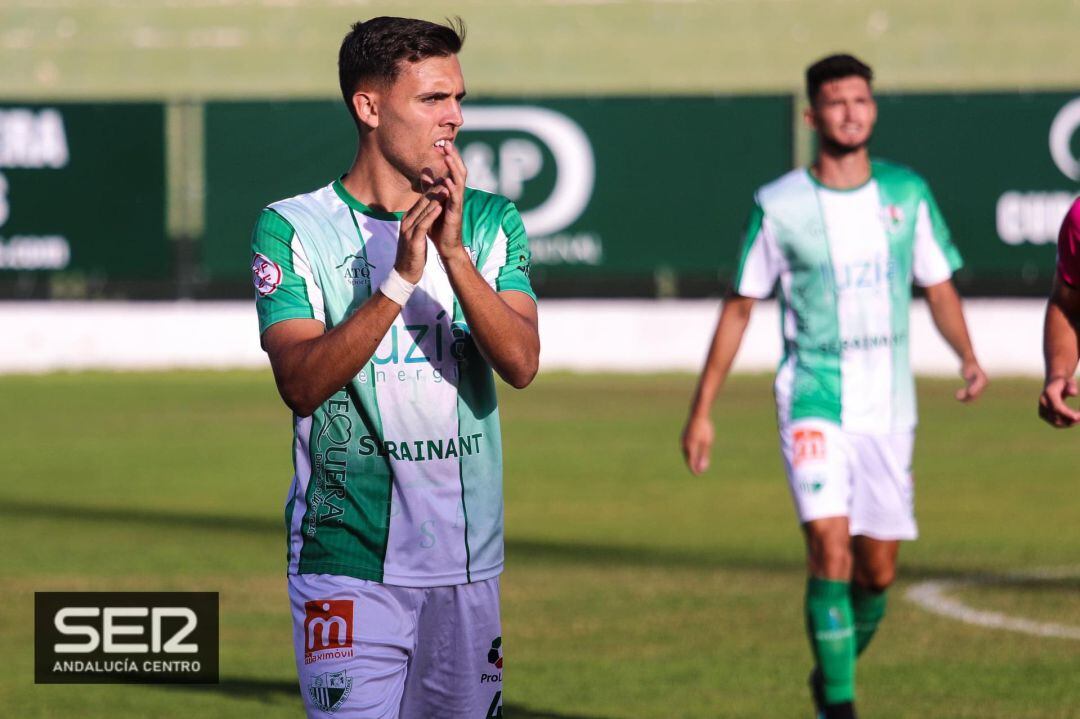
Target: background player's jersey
[(1068, 247), (845, 260), (398, 476)]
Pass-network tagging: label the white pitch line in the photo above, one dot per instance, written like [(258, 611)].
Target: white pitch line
[(932, 596)]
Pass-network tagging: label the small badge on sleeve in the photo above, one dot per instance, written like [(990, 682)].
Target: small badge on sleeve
[(265, 273)]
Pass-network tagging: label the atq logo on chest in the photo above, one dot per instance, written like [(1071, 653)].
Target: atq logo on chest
[(357, 270)]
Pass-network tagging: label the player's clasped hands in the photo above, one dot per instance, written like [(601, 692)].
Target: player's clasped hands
[(413, 233), (446, 230), (436, 215)]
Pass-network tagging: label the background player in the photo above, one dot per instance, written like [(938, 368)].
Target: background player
[(384, 300), (845, 238), (1061, 332)]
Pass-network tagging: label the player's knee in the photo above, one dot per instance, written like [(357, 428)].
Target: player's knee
[(875, 579)]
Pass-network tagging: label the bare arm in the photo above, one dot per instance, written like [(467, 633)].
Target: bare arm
[(311, 364), (698, 435), (1061, 351), (948, 316), (504, 324)]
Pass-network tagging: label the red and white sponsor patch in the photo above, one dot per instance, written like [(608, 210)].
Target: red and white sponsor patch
[(265, 273), (809, 446), (328, 624)]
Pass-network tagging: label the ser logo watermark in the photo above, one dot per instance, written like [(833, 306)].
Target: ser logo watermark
[(125, 637)]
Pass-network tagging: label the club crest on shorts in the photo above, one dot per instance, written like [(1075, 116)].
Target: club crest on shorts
[(329, 690), (811, 485)]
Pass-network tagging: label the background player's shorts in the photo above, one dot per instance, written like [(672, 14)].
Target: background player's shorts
[(366, 650), (866, 478)]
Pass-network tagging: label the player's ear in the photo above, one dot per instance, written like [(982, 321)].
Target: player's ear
[(808, 117), (366, 107)]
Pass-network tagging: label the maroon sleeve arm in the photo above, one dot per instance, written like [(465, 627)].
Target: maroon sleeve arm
[(1068, 253)]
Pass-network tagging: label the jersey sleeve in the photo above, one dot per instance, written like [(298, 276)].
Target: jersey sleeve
[(507, 265), (1068, 247), (935, 257), (760, 260), (284, 283)]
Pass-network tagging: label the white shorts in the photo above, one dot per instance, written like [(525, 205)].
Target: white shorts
[(866, 478), (366, 650)]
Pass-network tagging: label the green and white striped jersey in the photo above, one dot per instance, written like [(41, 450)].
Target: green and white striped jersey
[(845, 260), (398, 476)]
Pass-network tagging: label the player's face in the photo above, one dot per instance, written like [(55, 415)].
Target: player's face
[(843, 114), (421, 108)]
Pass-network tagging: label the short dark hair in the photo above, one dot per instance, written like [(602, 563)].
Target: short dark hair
[(835, 67), (373, 49)]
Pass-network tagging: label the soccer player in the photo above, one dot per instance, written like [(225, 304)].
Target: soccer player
[(385, 300), (1061, 331), (844, 238)]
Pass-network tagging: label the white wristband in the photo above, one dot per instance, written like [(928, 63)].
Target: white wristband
[(397, 288)]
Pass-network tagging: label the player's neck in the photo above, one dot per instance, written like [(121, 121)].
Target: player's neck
[(842, 171), (377, 184)]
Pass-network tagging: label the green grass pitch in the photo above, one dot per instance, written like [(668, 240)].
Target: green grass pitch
[(633, 590)]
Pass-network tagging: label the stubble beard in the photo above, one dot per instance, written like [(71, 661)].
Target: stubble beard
[(835, 148)]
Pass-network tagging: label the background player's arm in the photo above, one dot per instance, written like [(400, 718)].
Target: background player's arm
[(935, 259), (698, 435), (1061, 352), (948, 316), (760, 263), (311, 364), (504, 325)]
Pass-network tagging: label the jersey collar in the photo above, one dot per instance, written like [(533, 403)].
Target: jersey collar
[(360, 207), (821, 185)]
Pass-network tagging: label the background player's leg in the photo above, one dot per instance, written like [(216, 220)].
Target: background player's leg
[(882, 514), (829, 620), (874, 570), (456, 671), (819, 479)]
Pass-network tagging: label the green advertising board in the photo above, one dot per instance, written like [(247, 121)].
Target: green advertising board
[(82, 192), (1004, 169), (613, 191), (621, 196)]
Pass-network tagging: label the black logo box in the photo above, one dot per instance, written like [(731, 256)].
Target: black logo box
[(92, 622)]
